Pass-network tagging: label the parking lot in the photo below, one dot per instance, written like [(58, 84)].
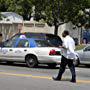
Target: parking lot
[(20, 77)]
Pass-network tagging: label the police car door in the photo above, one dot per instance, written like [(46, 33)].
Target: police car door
[(10, 51), (6, 50), (21, 49)]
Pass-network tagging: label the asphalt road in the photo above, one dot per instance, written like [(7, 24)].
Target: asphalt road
[(20, 77)]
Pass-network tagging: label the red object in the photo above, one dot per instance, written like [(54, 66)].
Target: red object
[(52, 52)]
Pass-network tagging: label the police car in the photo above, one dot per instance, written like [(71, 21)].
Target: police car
[(30, 50)]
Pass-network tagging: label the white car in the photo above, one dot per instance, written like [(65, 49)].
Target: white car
[(83, 55), (29, 50)]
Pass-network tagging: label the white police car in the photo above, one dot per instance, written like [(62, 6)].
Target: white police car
[(30, 50)]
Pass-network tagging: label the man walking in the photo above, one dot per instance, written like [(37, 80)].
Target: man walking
[(68, 57)]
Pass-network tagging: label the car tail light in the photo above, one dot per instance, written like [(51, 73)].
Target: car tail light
[(54, 52)]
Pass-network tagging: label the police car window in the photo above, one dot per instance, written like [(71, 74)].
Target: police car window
[(7, 44), (54, 40), (10, 42), (23, 43), (43, 43)]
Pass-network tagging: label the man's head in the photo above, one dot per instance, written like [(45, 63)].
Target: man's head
[(65, 33)]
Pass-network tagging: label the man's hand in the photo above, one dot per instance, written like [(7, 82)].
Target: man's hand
[(63, 47)]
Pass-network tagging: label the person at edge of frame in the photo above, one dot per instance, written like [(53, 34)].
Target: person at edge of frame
[(68, 57)]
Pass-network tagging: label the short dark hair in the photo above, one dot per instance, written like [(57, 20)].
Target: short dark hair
[(66, 32)]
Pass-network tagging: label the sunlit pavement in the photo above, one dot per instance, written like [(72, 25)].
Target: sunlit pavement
[(19, 77)]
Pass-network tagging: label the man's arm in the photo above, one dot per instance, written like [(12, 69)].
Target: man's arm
[(63, 47)]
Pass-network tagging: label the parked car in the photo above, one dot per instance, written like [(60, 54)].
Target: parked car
[(83, 55), (30, 50)]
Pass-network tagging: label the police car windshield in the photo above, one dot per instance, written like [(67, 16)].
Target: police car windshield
[(43, 43)]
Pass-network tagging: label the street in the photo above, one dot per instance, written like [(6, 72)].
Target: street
[(20, 77)]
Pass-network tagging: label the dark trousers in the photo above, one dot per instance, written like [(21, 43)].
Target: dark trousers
[(64, 62)]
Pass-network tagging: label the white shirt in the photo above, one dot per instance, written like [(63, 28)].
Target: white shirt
[(69, 44)]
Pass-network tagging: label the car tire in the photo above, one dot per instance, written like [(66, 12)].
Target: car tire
[(76, 62), (31, 61), (52, 65)]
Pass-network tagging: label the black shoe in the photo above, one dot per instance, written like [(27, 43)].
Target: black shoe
[(56, 79), (73, 81)]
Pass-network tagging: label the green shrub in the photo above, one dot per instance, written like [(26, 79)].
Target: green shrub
[(78, 47)]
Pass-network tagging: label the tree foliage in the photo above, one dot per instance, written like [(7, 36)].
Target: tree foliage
[(22, 7), (53, 12), (3, 6), (56, 12)]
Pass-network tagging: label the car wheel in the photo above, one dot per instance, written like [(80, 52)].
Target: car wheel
[(31, 61), (52, 65), (76, 62)]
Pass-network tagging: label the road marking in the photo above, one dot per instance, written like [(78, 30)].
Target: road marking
[(25, 75), (41, 77), (83, 81)]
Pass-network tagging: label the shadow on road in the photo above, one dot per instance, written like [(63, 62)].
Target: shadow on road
[(84, 66), (15, 64), (40, 66)]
